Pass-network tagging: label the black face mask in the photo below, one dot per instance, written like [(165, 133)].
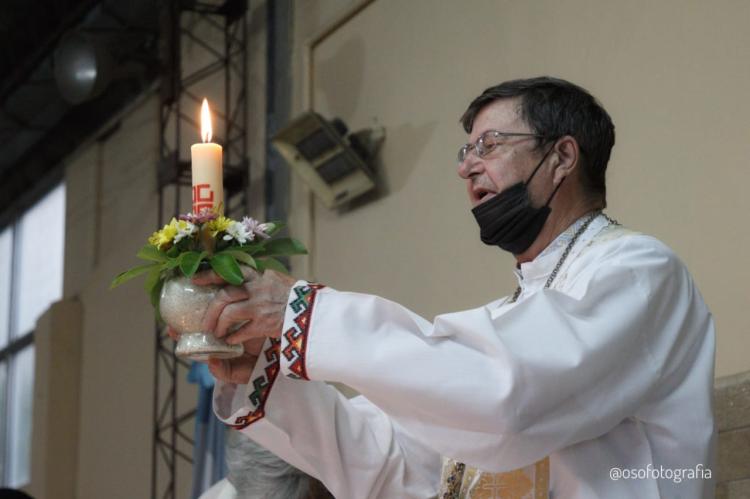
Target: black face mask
[(509, 220)]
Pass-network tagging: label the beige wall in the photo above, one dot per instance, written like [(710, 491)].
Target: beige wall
[(56, 418), (672, 74), (114, 446)]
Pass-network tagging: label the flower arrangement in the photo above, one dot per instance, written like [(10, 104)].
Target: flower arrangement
[(209, 239)]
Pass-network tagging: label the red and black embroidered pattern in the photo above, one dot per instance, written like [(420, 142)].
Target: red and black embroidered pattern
[(295, 338), (261, 386)]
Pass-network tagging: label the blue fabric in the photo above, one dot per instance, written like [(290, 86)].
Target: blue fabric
[(209, 465)]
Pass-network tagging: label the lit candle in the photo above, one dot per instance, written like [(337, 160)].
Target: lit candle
[(208, 186)]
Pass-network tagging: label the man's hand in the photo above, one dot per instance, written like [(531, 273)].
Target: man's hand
[(258, 305)]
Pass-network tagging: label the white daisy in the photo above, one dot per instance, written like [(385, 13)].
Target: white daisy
[(184, 229), (239, 233)]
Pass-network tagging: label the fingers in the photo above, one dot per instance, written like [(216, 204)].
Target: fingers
[(260, 303), (254, 346), (207, 277), (247, 333), (225, 296), (235, 371), (248, 273), (285, 279), (231, 314)]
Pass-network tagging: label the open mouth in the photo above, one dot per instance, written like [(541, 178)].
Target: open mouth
[(482, 194)]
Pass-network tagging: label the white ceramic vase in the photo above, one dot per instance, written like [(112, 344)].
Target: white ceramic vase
[(182, 306)]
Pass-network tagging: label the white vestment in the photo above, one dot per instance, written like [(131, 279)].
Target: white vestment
[(609, 368)]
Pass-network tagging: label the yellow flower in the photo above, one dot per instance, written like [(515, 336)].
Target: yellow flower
[(184, 229), (219, 224), (164, 237)]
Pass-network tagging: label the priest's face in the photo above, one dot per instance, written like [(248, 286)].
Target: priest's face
[(512, 159)]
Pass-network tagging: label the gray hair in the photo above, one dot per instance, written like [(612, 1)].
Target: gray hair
[(258, 474)]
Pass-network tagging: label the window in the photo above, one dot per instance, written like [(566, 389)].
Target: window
[(31, 272)]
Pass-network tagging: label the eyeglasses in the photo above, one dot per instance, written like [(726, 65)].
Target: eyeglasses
[(488, 141)]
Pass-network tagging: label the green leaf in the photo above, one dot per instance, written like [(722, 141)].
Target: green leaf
[(277, 226), (190, 261), (149, 252), (154, 295), (170, 263), (157, 312), (173, 252), (130, 274), (273, 264), (227, 267), (251, 248), (153, 288), (283, 246), (241, 257)]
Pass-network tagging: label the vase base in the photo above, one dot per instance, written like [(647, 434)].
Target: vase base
[(203, 346)]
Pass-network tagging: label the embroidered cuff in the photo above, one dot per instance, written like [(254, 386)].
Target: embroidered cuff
[(294, 333), (259, 388)]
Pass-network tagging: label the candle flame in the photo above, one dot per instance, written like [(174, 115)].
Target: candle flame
[(206, 129)]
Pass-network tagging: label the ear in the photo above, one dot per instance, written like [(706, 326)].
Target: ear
[(567, 153)]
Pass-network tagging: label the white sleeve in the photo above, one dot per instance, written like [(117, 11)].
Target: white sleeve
[(501, 390), (349, 445)]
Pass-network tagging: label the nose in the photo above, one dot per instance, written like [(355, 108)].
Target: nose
[(469, 167)]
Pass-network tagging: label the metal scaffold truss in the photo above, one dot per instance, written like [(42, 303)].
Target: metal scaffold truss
[(226, 64)]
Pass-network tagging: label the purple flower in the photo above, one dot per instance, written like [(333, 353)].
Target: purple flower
[(205, 215), (252, 226)]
